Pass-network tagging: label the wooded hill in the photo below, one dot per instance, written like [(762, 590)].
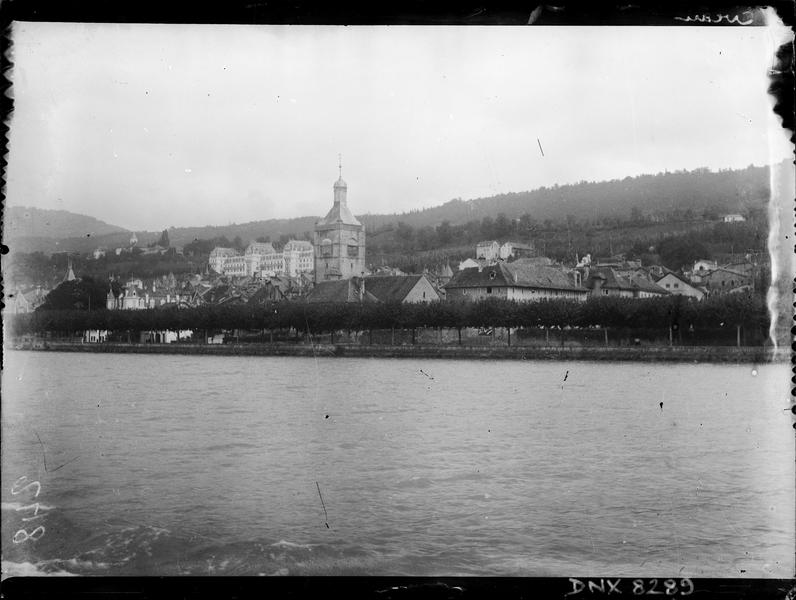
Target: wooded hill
[(664, 197)]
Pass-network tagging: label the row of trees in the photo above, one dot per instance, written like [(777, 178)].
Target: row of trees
[(676, 312)]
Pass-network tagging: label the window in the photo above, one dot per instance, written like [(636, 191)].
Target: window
[(667, 285), (605, 292), (353, 251), (424, 295), (489, 290), (677, 285)]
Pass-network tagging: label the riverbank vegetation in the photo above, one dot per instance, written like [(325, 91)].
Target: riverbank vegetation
[(676, 313)]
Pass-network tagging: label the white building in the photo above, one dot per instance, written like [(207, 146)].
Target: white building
[(218, 257), (516, 250), (299, 257), (261, 258), (468, 263), (488, 250), (235, 266), (733, 218), (680, 286)]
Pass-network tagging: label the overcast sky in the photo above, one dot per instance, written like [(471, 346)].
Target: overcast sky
[(151, 126)]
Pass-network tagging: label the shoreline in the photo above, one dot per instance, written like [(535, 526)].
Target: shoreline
[(691, 354)]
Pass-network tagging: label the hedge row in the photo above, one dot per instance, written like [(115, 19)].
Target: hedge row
[(716, 311)]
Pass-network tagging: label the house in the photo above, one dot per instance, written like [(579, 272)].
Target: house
[(401, 288), (745, 267), (444, 273), (680, 286), (386, 270), (469, 263), (704, 265), (20, 302), (281, 287), (514, 281), (723, 280), (438, 277), (340, 290), (488, 250), (733, 218), (131, 297), (605, 281), (516, 250)]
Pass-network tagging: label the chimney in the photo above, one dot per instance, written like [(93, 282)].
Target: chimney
[(598, 284)]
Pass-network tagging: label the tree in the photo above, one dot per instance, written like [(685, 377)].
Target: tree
[(677, 252), (444, 233), (502, 226), (487, 227), (404, 232), (80, 294)]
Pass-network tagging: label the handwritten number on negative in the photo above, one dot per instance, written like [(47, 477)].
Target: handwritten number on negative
[(29, 536), (15, 491), (22, 535)]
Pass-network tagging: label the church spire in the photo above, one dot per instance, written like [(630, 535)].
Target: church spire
[(340, 187)]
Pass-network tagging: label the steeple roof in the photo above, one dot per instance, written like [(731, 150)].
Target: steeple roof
[(339, 214)]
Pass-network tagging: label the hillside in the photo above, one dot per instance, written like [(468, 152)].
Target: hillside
[(661, 194), (29, 222), (678, 196)]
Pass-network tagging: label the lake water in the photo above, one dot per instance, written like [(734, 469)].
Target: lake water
[(213, 465)]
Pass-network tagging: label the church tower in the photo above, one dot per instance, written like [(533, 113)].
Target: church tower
[(339, 240)]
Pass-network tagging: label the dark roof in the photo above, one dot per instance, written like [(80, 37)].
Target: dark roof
[(339, 213), (513, 275), (682, 278), (541, 276), (644, 284), (612, 280), (342, 290), (535, 260), (391, 288), (728, 271)]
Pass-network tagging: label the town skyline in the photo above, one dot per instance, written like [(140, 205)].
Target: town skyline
[(157, 127)]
